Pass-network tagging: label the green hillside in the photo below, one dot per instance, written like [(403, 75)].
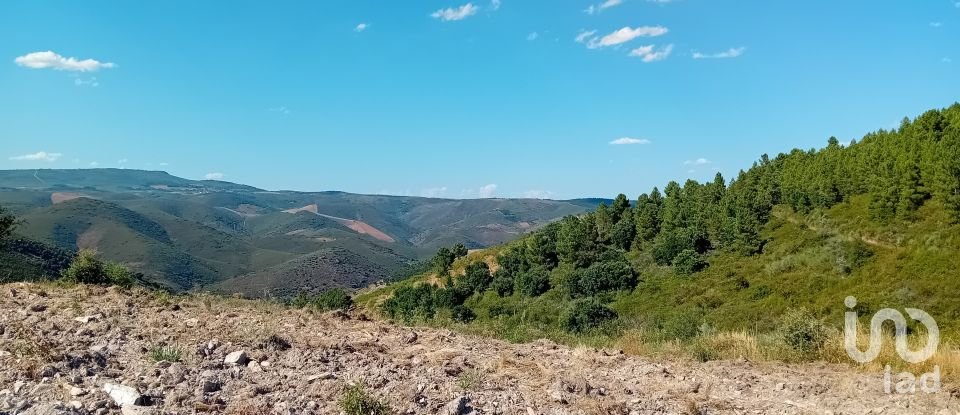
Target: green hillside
[(772, 253), (188, 234)]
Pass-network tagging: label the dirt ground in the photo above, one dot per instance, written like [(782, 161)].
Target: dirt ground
[(61, 349)]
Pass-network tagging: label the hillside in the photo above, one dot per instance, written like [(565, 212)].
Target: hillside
[(63, 349), (229, 237), (759, 266)]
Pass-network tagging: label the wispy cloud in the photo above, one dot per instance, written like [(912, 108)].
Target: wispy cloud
[(281, 110), (936, 24), (533, 36), (214, 176), (629, 140), (592, 9), (92, 82), (163, 164), (495, 5), (38, 156), (649, 53), (488, 191), (698, 162), (51, 60), (434, 191), (617, 37), (727, 54), (946, 60), (537, 194), (361, 27), (94, 164), (453, 14)]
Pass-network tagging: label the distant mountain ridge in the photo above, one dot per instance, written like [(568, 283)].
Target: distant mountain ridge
[(191, 234)]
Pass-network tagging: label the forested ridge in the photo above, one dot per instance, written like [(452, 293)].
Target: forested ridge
[(776, 237)]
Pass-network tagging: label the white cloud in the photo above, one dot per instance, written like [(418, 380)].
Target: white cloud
[(281, 109), (590, 10), (163, 164), (434, 191), (92, 82), (946, 60), (361, 27), (533, 36), (94, 164), (729, 53), (649, 54), (454, 14), (583, 35), (537, 194), (51, 60), (629, 140), (623, 35), (936, 24), (214, 176), (487, 191), (698, 162), (495, 5), (38, 156), (123, 161), (610, 3)]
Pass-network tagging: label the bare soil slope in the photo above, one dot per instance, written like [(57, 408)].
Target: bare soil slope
[(60, 348)]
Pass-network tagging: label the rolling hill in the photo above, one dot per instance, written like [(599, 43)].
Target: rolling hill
[(228, 237)]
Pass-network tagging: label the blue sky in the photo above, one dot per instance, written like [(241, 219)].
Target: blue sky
[(460, 99)]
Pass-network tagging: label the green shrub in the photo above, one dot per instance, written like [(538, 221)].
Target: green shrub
[(602, 277), (803, 332), (668, 245), (170, 354), (533, 283), (119, 275), (498, 310), (333, 299), (477, 277), (688, 262), (682, 325), (502, 284), (86, 269), (357, 401), (462, 314), (409, 302), (585, 314)]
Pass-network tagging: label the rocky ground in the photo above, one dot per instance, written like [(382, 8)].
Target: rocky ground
[(91, 350)]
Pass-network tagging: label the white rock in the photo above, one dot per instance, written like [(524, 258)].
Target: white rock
[(88, 319), (122, 395), (236, 358), (76, 404), (75, 391)]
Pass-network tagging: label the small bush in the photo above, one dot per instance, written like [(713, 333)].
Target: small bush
[(119, 275), (170, 354), (689, 262), (462, 314), (334, 299), (498, 310), (409, 302), (586, 314), (533, 283), (477, 277), (502, 284), (803, 332), (86, 269), (357, 401), (471, 380), (612, 275), (683, 325)]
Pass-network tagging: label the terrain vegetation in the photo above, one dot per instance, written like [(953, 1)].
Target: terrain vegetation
[(87, 349), (759, 266), (232, 238)]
